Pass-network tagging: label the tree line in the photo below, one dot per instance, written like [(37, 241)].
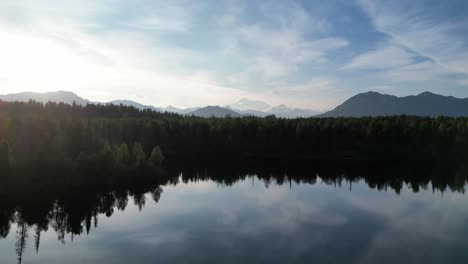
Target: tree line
[(116, 136)]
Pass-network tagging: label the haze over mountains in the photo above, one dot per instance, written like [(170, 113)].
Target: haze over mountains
[(59, 96), (243, 107), (364, 104), (259, 108)]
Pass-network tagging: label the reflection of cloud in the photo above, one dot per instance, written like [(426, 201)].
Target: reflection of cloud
[(271, 196), (319, 216), (419, 226), (200, 222), (233, 225)]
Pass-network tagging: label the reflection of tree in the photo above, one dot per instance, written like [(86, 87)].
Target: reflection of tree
[(88, 224), (5, 229), (58, 221), (5, 225), (73, 212), (140, 200), (67, 215), (21, 235), (37, 239), (156, 194), (382, 176), (122, 200)]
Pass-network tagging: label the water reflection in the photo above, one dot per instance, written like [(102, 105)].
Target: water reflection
[(70, 212), (74, 212)]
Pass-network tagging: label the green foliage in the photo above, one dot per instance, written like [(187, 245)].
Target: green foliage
[(107, 156), (139, 154), (122, 154), (157, 156)]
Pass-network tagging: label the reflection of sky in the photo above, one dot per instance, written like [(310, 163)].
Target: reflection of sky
[(204, 222)]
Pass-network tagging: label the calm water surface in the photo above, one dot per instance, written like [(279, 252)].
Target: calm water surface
[(252, 221)]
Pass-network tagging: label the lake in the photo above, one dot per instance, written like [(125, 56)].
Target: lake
[(198, 217)]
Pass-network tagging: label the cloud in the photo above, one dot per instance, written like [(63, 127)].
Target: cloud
[(314, 85), (288, 44), (188, 53), (232, 14), (463, 82), (385, 58), (46, 52), (160, 52), (292, 14), (422, 71), (442, 42), (165, 17), (135, 66), (270, 68), (277, 46)]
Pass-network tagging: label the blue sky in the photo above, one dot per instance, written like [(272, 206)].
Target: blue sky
[(310, 54)]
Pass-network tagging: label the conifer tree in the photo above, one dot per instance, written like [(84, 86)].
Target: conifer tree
[(139, 155), (157, 156)]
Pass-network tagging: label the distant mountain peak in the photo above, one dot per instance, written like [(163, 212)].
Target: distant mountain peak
[(287, 112), (373, 94), (427, 94), (423, 104), (170, 108), (247, 104), (134, 104), (65, 92), (214, 111), (57, 96)]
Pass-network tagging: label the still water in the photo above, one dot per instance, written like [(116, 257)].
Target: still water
[(250, 220)]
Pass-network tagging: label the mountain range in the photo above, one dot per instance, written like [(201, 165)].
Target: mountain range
[(243, 107), (60, 96), (134, 104), (214, 111), (363, 104), (376, 104)]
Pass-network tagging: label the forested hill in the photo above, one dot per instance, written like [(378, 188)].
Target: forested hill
[(424, 104)]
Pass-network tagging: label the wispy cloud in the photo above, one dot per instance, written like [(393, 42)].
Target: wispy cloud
[(463, 82), (384, 58), (274, 53), (313, 86), (156, 50), (188, 53), (441, 42), (177, 16)]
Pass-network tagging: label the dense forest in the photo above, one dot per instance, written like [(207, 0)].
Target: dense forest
[(97, 138), (36, 133)]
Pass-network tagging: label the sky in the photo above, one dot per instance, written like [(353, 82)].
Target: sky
[(310, 54)]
